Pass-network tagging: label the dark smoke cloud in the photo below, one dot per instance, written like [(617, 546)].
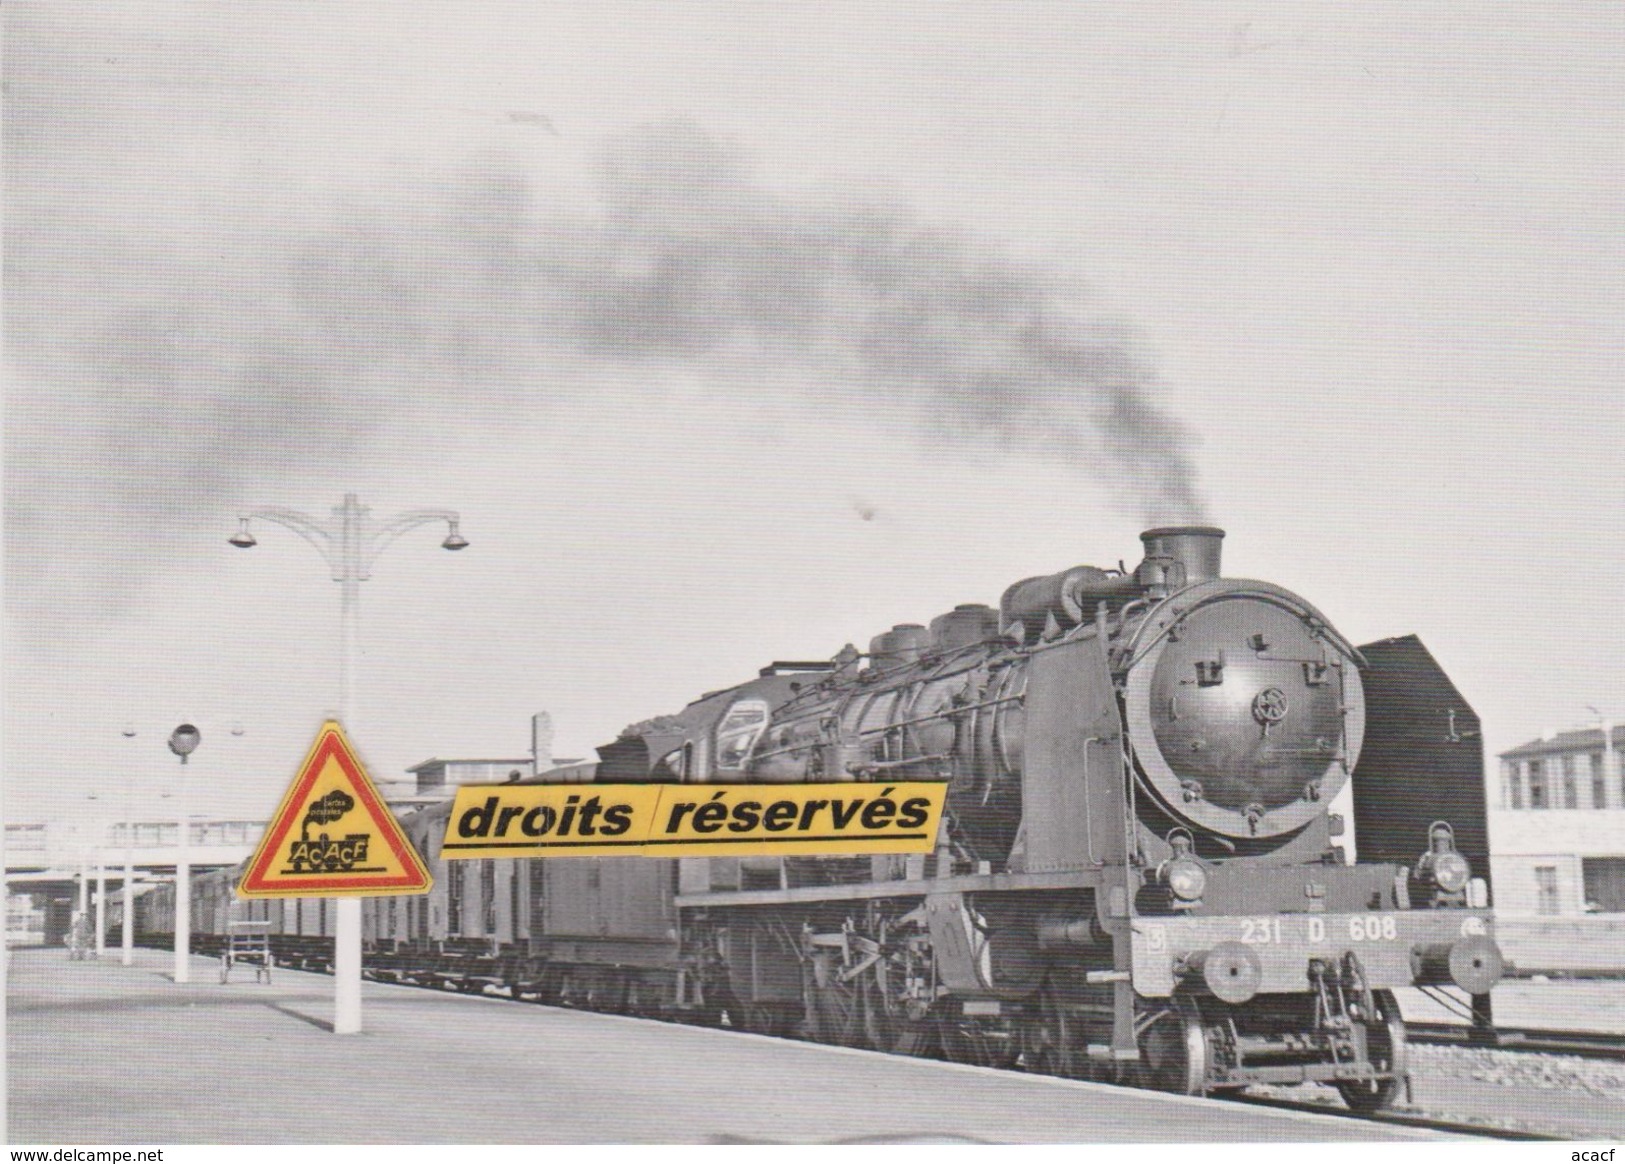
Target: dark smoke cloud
[(171, 363), (694, 256)]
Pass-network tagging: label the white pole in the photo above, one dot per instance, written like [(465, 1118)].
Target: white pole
[(183, 889), (101, 904), (128, 956), (347, 919)]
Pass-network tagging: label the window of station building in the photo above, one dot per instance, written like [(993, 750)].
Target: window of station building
[(1599, 782), (1571, 784), (738, 731), (1546, 889), (1537, 785), (1604, 884), (1514, 785)]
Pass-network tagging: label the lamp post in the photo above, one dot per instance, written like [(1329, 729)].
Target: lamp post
[(101, 885), (82, 922), (127, 954), (349, 544), (183, 741)]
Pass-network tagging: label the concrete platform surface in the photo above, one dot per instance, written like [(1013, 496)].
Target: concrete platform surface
[(103, 1053)]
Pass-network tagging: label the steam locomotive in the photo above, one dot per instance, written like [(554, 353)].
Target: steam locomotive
[(1145, 872)]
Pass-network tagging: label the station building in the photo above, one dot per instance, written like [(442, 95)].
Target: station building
[(1557, 827), (47, 863), (436, 779)]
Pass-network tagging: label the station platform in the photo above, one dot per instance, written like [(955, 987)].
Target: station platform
[(104, 1053)]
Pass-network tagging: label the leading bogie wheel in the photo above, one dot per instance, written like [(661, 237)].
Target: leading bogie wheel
[(1387, 1049), (1173, 1054)]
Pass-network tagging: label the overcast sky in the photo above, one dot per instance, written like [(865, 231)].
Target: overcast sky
[(741, 331)]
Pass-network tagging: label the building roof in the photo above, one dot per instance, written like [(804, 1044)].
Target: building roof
[(1579, 740), (438, 763)]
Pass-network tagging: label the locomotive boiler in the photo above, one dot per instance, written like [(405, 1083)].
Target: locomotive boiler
[(1194, 840)]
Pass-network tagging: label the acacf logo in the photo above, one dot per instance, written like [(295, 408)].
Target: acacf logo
[(673, 820), (325, 854)]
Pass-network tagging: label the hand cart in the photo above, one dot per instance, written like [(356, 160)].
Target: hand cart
[(248, 942)]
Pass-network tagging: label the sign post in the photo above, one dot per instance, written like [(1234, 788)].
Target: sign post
[(333, 836)]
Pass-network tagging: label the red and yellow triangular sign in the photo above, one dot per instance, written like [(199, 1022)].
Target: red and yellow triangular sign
[(333, 836)]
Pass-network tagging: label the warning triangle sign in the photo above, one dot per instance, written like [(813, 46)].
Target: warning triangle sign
[(333, 836)]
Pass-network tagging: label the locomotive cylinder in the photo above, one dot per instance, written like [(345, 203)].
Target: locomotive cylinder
[(1054, 934)]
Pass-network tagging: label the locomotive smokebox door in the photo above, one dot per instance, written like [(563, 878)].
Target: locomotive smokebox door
[(1423, 760), (1244, 709)]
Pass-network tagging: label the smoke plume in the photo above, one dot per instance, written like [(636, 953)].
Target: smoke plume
[(174, 351)]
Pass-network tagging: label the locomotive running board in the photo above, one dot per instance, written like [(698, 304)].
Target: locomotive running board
[(967, 883)]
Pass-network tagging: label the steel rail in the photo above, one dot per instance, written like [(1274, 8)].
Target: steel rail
[(1583, 1044), (1400, 1119)]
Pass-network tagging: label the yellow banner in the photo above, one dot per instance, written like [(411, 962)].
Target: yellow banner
[(692, 820)]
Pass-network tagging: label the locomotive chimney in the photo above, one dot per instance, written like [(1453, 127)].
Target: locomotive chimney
[(1192, 550)]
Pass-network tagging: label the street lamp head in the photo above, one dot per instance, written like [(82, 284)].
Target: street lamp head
[(454, 540), (183, 741), (242, 539)]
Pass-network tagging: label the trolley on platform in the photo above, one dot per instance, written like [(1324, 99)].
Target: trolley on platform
[(248, 942)]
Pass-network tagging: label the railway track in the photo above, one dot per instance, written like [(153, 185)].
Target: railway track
[(1585, 1044), (1582, 1044), (1399, 1119)]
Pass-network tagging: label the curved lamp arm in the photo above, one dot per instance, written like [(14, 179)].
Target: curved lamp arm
[(401, 523), (306, 527)]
